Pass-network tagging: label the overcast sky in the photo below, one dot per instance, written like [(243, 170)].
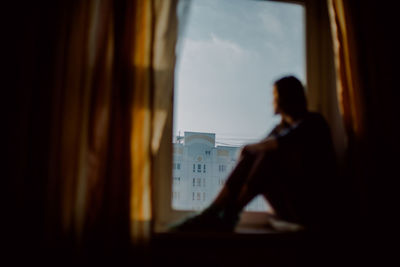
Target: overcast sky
[(230, 53)]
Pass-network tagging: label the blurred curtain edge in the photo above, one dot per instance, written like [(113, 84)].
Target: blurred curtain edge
[(113, 85), (336, 88), (350, 89)]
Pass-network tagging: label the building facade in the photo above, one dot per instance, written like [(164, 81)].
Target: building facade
[(200, 169)]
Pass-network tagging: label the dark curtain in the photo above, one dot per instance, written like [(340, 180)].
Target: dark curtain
[(87, 84), (367, 60)]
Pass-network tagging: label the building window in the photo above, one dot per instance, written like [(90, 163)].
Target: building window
[(204, 168), (177, 180), (199, 182), (222, 168), (198, 167), (194, 167), (178, 166), (198, 196), (192, 195), (194, 182)]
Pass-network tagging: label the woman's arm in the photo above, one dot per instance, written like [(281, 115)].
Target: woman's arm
[(265, 145)]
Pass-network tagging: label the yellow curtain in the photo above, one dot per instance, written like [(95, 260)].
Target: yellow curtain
[(113, 86), (349, 84), (352, 105), (321, 75), (156, 35)]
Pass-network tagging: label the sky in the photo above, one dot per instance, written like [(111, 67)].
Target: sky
[(229, 54)]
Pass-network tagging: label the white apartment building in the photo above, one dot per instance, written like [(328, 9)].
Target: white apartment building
[(200, 169)]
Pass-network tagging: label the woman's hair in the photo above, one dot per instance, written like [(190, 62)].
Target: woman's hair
[(291, 96)]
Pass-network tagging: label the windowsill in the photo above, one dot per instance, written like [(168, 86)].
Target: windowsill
[(240, 231), (280, 231), (250, 223), (242, 237)]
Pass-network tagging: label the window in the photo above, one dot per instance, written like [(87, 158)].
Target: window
[(222, 168), (228, 57), (177, 180)]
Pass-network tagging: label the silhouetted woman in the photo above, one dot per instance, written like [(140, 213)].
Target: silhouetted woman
[(293, 168)]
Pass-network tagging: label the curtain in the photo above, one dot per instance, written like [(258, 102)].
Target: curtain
[(94, 87), (354, 95), (349, 81), (321, 76), (161, 60), (351, 100), (366, 61), (322, 97)]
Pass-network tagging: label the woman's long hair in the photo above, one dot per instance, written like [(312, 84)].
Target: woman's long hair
[(291, 97)]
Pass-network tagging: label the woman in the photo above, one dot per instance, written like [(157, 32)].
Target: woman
[(293, 168)]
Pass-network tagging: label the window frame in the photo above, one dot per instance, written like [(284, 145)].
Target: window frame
[(163, 213)]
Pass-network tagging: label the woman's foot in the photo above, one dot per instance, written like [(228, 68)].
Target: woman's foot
[(207, 221)]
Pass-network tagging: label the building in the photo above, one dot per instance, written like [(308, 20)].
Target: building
[(200, 169)]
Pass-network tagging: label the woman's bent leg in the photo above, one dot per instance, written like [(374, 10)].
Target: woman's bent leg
[(220, 214)]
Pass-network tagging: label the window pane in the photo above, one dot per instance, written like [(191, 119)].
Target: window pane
[(228, 56)]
